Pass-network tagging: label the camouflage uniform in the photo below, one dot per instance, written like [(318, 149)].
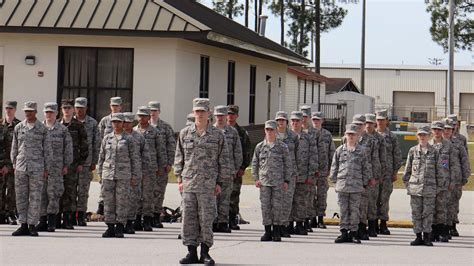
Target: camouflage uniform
[(321, 184), (378, 175), (136, 192), (3, 179)]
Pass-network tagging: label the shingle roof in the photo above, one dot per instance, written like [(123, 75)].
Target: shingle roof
[(335, 85), (307, 74)]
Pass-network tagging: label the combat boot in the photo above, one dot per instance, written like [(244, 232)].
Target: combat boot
[(267, 236), (434, 233), (372, 231), (344, 237), (119, 230), (73, 218), (154, 222), (427, 239), (418, 240), (307, 225), (33, 230), (314, 222), (58, 221), (354, 238), (191, 257), (3, 218), (276, 234), (129, 228), (362, 232), (137, 224), (300, 229), (12, 219), (454, 231), (291, 228), (444, 233), (67, 221), (81, 219), (159, 224), (205, 257), (100, 208), (223, 228), (110, 232), (233, 222), (284, 231), (321, 223), (383, 228), (377, 228), (147, 220), (43, 224), (51, 222), (22, 231)]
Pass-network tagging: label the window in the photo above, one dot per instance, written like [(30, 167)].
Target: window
[(204, 78), (230, 82), (252, 94), (98, 74)]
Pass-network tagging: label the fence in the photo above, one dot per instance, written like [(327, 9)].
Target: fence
[(335, 117)]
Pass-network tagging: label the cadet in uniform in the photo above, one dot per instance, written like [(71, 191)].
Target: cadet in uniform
[(93, 141), (458, 136), (53, 188), (271, 169), (3, 173), (422, 179), (350, 170), (200, 165), (234, 151), (119, 167), (31, 156)]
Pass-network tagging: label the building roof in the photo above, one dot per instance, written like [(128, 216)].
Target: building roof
[(307, 74), (397, 67), (335, 85), (185, 19)]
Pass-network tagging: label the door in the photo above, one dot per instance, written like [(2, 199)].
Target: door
[(414, 106)]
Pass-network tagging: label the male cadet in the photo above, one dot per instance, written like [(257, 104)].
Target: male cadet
[(31, 157), (3, 172), (457, 135), (200, 165), (291, 140), (232, 117), (322, 185), (306, 165), (105, 127), (370, 123), (8, 205), (158, 161), (393, 162), (93, 141), (462, 171), (271, 169), (169, 145), (446, 152), (119, 167), (53, 187), (80, 153)]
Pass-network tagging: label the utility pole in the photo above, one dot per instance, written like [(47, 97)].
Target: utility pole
[(362, 54), (317, 30), (450, 83)]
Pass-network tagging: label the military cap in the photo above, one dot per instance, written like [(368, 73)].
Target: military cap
[(201, 104), (296, 115), (116, 101), (220, 110), (370, 118), (128, 117), (29, 106), (143, 110), (50, 107), (271, 124), (80, 102), (437, 125), (317, 115), (352, 128), (281, 115), (117, 117), (233, 109), (453, 117), (383, 114), (449, 123), (154, 106), (423, 130), (358, 119), (190, 118), (11, 104), (67, 103), (306, 109)]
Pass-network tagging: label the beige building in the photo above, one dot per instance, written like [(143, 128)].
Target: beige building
[(142, 50)]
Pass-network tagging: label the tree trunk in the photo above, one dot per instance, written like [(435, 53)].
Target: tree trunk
[(317, 21), (302, 18), (282, 22), (247, 13)]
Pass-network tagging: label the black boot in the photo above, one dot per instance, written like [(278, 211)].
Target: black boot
[(443, 233), (454, 231), (307, 225), (12, 219), (383, 228), (377, 227), (110, 232), (51, 222), (291, 228), (73, 219), (81, 219), (450, 229), (158, 221), (43, 224), (33, 230), (67, 221), (300, 229), (129, 228), (137, 224), (22, 231), (284, 232), (418, 240), (191, 257), (119, 230), (223, 228), (344, 237), (314, 222), (58, 220), (276, 234), (321, 223), (147, 220), (362, 232), (100, 208), (154, 221), (267, 236), (205, 257), (214, 228), (354, 238), (427, 239), (3, 218), (434, 233), (233, 222)]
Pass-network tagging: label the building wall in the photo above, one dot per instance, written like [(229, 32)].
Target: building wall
[(294, 94)]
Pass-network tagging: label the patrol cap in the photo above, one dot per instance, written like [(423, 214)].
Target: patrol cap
[(50, 107), (271, 124), (116, 101), (317, 115), (154, 106), (281, 115), (423, 130), (370, 118), (453, 117), (296, 115), (67, 103), (80, 102), (11, 104), (306, 109), (143, 110), (437, 125), (128, 117), (358, 119), (449, 123), (117, 117), (30, 106), (201, 104), (351, 129), (233, 109), (383, 114), (221, 110)]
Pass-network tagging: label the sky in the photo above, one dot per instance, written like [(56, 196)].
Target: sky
[(397, 32)]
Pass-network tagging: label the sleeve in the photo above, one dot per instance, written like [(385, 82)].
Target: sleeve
[(170, 144), (465, 167), (322, 154), (452, 158), (238, 156), (83, 144), (14, 150), (179, 156), (100, 162), (246, 151), (382, 157), (96, 141), (223, 167), (408, 167), (256, 163), (68, 150), (367, 172), (145, 157), (295, 167), (397, 155), (47, 150), (134, 153), (160, 146), (101, 127), (287, 164), (439, 173), (3, 152), (313, 158), (375, 160), (334, 166), (332, 150)]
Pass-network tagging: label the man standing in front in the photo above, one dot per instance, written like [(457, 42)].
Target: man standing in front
[(200, 165)]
